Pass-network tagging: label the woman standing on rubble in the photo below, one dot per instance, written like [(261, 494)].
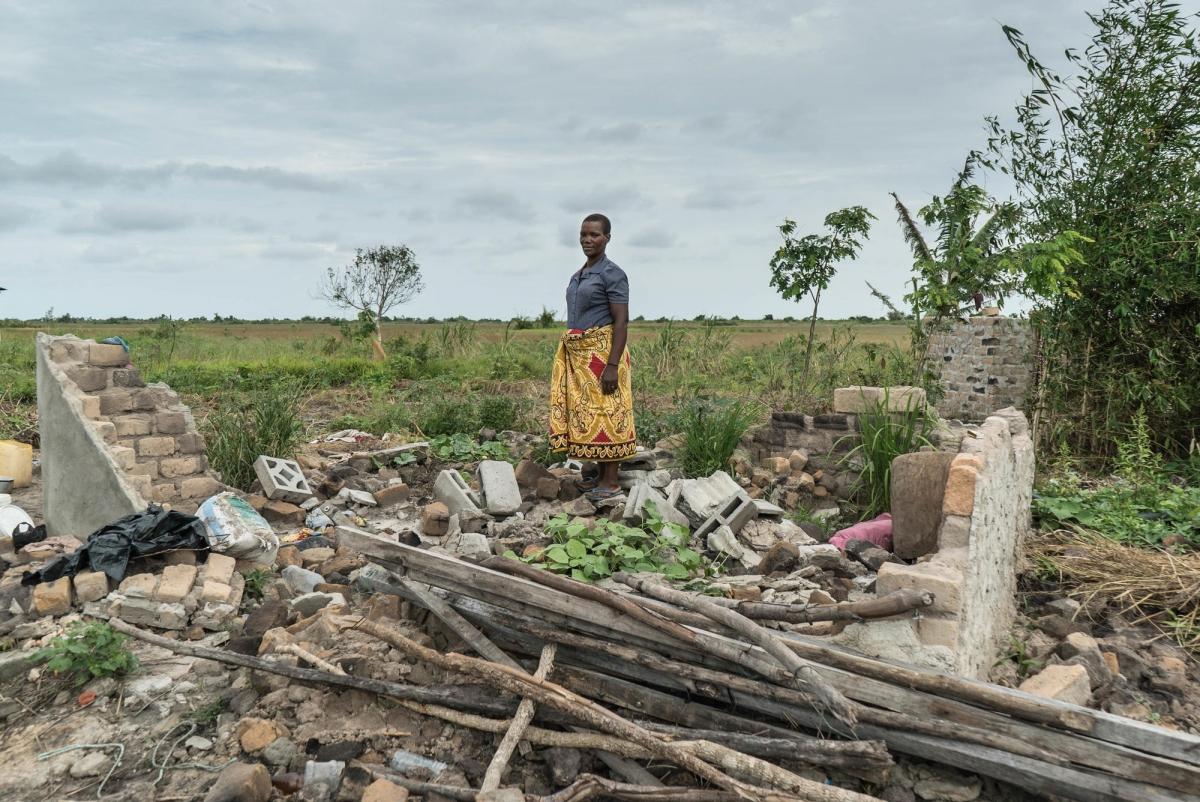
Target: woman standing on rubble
[(591, 400)]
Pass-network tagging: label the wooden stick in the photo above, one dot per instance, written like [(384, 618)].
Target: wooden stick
[(524, 715), (451, 697), (585, 591), (808, 679), (558, 698), (310, 658), (589, 786), (895, 603), (425, 597)]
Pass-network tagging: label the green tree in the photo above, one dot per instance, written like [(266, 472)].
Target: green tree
[(977, 252), (1112, 150), (377, 281), (804, 266)]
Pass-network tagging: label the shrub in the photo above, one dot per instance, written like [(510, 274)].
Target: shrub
[(499, 412), (447, 415), (242, 428), (884, 436), (711, 433), (88, 651)]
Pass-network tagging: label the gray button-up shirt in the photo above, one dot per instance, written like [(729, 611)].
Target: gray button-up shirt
[(592, 290)]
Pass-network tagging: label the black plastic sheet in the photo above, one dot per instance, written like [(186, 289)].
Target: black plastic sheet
[(110, 548)]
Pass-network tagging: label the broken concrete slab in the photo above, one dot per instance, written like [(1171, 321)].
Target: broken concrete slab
[(643, 493), (722, 540), (501, 493), (282, 479), (918, 487)]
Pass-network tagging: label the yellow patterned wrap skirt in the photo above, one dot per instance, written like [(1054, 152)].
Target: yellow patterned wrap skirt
[(584, 422)]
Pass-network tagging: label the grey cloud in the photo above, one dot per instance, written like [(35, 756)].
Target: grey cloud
[(652, 238), (13, 216), (719, 197), (600, 198), (113, 253), (69, 169), (615, 133), (495, 204), (124, 217)]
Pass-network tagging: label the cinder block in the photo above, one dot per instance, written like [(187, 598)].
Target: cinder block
[(435, 519), (105, 355), (91, 406), (156, 446), (199, 487), (392, 495), (452, 490), (181, 466), (1066, 683), (69, 350), (146, 400), (959, 498), (282, 479), (145, 468), (943, 582), (856, 400), (52, 598), (164, 493), (190, 443), (124, 456), (88, 379), (132, 425), (149, 613), (938, 631), (170, 423), (139, 586), (955, 532), (215, 592), (501, 494), (114, 402), (219, 568), (735, 513), (142, 485), (106, 430), (91, 586), (176, 583), (127, 377)]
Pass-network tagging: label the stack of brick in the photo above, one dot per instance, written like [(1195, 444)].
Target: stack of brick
[(150, 435), (984, 364)]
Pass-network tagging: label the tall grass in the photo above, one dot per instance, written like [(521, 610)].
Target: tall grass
[(711, 432), (884, 436), (244, 427)]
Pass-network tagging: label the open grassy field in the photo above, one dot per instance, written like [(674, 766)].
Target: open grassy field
[(432, 364)]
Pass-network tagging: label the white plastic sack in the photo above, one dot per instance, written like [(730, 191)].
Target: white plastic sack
[(234, 528)]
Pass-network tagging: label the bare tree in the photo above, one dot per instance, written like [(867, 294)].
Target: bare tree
[(378, 280)]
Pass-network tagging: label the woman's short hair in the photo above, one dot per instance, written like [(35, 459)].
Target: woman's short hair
[(604, 222)]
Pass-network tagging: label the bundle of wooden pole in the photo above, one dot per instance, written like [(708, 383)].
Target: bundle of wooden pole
[(691, 668)]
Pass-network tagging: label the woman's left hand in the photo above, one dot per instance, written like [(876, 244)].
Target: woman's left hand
[(608, 380)]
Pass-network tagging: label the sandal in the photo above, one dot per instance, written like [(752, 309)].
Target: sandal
[(587, 484), (602, 494)]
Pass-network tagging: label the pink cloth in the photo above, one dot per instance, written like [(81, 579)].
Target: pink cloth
[(877, 530)]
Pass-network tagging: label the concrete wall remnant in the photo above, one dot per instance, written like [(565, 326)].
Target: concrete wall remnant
[(985, 516), (111, 444), (983, 365)]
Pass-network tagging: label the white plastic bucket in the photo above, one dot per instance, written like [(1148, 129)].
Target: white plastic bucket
[(11, 517)]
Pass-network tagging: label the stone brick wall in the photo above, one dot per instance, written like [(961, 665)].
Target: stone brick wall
[(149, 435), (984, 365)]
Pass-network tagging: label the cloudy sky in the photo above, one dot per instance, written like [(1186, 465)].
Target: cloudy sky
[(199, 158)]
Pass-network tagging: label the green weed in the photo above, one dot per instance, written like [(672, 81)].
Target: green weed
[(711, 433), (256, 582), (464, 448), (243, 427), (87, 651), (588, 554), (883, 436)]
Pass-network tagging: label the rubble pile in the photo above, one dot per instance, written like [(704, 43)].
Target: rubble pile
[(352, 631)]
